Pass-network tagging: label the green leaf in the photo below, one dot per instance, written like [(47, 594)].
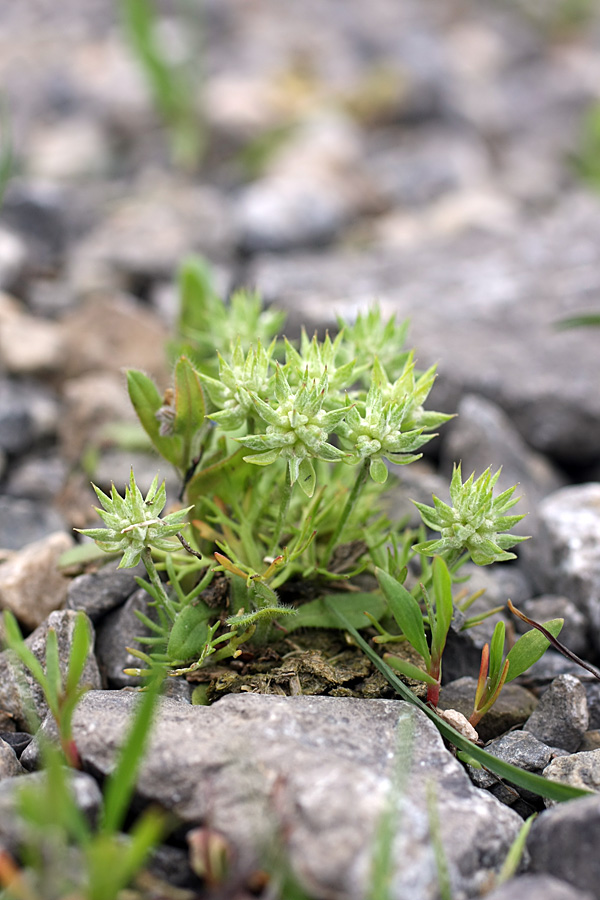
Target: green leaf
[(146, 401), (496, 652), (53, 689), (121, 782), (80, 645), (197, 295), (530, 647), (442, 587), (408, 669), (406, 612), (307, 477), (378, 471), (543, 787), (317, 613), (190, 410), (189, 633), (15, 641)]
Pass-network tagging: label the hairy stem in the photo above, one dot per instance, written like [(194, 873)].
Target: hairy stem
[(347, 510), (154, 576), (284, 505)]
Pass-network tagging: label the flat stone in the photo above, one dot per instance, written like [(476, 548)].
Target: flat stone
[(328, 766), (31, 585)]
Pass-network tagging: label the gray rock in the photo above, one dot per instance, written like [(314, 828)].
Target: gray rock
[(575, 631), (408, 169), (563, 843), (579, 770), (566, 558), (9, 763), (28, 413), (13, 259), (521, 749), (13, 831), (100, 592), (31, 584), (146, 233), (592, 691), (561, 717), (550, 666), (537, 887), (23, 522), (36, 210), (117, 631), (37, 477), (483, 435), (319, 769), (20, 694), (499, 583), (483, 300), (312, 188)]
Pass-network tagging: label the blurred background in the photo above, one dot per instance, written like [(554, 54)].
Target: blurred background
[(441, 159)]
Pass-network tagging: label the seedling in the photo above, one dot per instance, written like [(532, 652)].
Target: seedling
[(61, 694)]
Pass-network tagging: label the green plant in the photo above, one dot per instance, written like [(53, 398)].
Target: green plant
[(61, 694), (283, 451), (172, 80), (586, 161), (61, 853)]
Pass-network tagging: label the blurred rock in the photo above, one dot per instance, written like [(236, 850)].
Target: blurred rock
[(24, 521), (31, 585), (566, 558), (563, 840), (28, 413)]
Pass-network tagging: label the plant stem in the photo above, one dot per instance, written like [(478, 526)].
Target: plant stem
[(347, 510), (284, 505), (154, 576)]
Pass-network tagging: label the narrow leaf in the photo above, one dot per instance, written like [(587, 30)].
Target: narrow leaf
[(408, 669), (530, 647), (146, 401), (442, 586), (190, 410), (406, 612)]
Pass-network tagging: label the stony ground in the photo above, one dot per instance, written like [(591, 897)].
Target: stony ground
[(405, 151)]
